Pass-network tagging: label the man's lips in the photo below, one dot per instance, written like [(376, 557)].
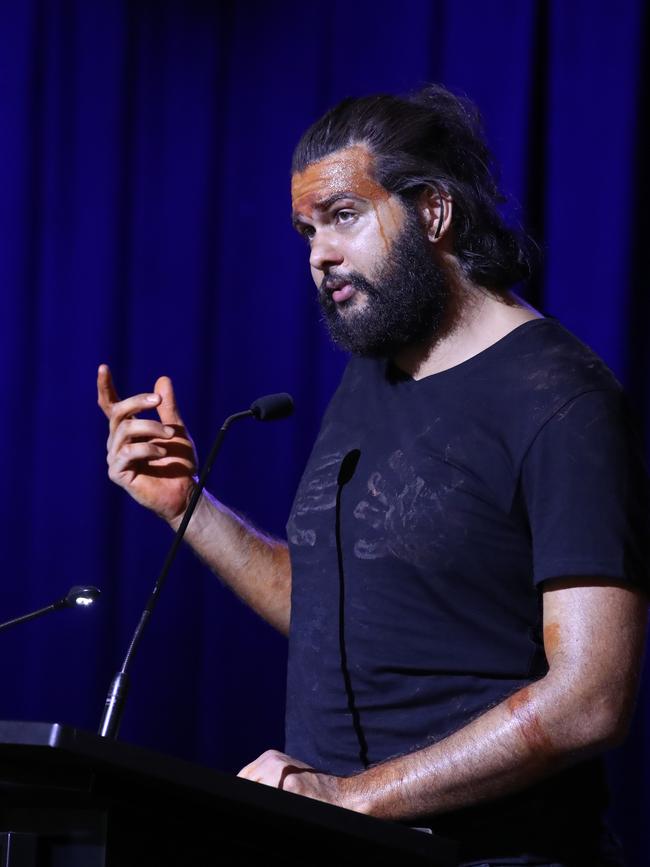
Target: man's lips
[(343, 293), (338, 287)]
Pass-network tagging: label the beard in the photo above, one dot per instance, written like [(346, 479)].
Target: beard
[(405, 303)]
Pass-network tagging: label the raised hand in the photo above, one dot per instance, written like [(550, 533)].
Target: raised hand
[(155, 461)]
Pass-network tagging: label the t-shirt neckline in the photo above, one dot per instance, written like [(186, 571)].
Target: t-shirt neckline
[(463, 367)]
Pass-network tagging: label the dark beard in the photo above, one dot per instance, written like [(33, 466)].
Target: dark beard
[(405, 303)]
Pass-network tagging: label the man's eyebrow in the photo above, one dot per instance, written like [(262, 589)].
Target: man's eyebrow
[(325, 204)]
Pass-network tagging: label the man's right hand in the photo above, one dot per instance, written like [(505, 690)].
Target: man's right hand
[(155, 461)]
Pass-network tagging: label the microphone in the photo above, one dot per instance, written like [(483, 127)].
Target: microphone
[(79, 596), (348, 467), (272, 407), (267, 408)]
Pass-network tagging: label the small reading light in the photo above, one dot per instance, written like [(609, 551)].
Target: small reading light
[(81, 596)]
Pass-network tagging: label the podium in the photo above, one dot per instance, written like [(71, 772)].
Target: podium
[(69, 798)]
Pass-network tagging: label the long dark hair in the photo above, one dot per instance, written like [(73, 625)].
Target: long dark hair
[(431, 138)]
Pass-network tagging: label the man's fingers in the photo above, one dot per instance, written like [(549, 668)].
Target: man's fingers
[(106, 394), (129, 407), (132, 428), (251, 771), (247, 771), (167, 410), (272, 768), (132, 453)]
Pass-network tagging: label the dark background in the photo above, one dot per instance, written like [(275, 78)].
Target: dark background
[(144, 201)]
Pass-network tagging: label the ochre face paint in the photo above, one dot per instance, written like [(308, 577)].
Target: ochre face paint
[(345, 171), (380, 225)]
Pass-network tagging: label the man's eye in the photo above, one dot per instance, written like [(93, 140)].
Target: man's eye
[(307, 232), (344, 216)]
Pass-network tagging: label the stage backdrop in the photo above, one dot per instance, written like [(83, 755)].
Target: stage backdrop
[(144, 203)]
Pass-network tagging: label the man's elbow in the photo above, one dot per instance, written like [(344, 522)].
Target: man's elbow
[(604, 722)]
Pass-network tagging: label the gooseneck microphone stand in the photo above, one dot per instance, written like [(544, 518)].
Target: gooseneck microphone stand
[(273, 406)]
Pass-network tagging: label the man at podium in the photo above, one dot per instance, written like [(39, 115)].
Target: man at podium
[(464, 575)]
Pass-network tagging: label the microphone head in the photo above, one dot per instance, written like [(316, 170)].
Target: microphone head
[(272, 406), (348, 466), (81, 596)]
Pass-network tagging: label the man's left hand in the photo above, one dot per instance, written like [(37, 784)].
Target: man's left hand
[(276, 769)]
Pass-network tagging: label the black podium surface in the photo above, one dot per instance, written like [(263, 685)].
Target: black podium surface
[(69, 798)]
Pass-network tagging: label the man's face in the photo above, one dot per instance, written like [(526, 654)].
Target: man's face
[(379, 286)]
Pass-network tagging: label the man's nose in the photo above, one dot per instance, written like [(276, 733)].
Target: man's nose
[(325, 252)]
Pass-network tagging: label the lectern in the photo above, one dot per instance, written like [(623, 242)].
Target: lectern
[(69, 798)]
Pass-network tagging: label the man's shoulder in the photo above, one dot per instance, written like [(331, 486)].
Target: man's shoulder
[(549, 354), (542, 366)]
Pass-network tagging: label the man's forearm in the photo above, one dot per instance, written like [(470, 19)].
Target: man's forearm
[(535, 732), (255, 566), (594, 635)]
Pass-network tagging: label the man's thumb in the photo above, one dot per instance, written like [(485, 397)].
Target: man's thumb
[(167, 409)]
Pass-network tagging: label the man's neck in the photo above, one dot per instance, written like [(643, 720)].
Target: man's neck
[(476, 320)]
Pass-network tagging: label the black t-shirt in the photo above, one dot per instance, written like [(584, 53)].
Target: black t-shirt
[(428, 516)]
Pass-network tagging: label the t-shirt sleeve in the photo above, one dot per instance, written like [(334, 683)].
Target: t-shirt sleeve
[(586, 492)]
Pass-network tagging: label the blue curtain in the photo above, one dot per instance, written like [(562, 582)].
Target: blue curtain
[(144, 201)]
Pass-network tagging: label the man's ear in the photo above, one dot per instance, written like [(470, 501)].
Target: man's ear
[(435, 209)]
